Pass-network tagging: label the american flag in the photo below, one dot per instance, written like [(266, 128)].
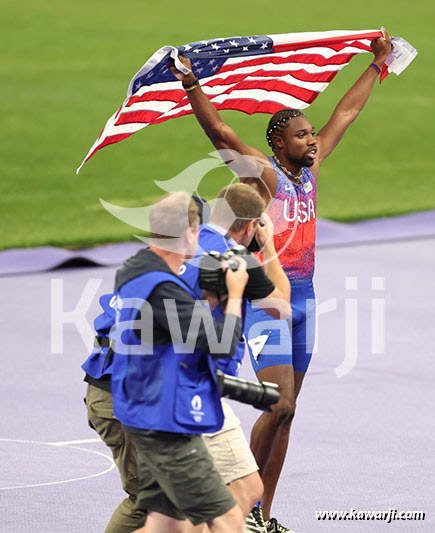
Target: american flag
[(257, 74)]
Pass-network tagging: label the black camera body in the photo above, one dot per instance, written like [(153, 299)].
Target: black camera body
[(260, 395), (211, 276)]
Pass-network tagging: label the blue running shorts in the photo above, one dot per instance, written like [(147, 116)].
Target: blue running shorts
[(283, 342)]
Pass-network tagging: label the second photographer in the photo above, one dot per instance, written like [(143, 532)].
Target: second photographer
[(236, 218)]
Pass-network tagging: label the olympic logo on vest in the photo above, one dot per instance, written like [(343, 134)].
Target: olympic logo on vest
[(196, 404)]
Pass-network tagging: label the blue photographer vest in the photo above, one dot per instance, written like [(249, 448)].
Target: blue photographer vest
[(159, 387), (210, 239), (99, 363)]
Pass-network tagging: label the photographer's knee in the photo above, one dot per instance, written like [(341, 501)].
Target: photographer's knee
[(230, 522), (256, 492)]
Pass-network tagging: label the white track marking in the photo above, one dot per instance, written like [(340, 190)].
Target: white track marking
[(69, 442), (110, 459)]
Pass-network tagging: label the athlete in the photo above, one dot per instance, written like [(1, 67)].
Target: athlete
[(288, 183)]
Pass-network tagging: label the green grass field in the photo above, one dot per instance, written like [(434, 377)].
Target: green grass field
[(65, 69)]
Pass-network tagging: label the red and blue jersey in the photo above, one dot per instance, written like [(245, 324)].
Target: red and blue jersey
[(293, 213)]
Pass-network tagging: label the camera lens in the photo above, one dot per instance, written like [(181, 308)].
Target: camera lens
[(259, 395)]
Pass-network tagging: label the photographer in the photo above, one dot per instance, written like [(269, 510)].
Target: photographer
[(236, 218), (98, 369), (165, 392)]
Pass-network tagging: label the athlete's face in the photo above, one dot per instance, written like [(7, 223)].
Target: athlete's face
[(298, 142)]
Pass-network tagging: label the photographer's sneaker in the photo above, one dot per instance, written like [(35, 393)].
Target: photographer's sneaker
[(254, 522), (273, 526)]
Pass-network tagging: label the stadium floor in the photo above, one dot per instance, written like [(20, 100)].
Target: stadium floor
[(364, 440)]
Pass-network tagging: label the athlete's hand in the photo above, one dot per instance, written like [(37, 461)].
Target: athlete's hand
[(381, 47), (185, 78), (236, 280), (264, 233)]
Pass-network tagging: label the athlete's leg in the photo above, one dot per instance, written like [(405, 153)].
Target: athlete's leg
[(270, 434), (299, 378), (303, 328)]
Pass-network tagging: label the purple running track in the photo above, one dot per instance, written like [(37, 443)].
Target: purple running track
[(363, 441)]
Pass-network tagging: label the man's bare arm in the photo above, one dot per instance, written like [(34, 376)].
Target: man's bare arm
[(221, 135), (353, 101), (277, 304)]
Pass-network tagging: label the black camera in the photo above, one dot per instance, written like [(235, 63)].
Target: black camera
[(253, 245), (260, 395), (211, 275)]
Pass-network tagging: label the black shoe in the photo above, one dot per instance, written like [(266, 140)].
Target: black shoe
[(273, 526), (254, 522)]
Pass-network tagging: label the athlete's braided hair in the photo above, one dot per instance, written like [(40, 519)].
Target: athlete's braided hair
[(277, 123)]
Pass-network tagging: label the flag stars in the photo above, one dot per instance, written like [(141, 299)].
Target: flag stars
[(212, 62), (215, 46), (245, 49), (205, 43), (252, 40), (199, 70), (233, 43), (263, 46), (227, 51), (187, 48), (215, 68), (196, 51), (196, 63), (137, 85)]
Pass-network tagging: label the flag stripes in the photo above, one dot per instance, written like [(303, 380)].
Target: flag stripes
[(262, 74)]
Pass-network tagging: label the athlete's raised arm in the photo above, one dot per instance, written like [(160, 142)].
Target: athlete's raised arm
[(353, 101), (221, 135)]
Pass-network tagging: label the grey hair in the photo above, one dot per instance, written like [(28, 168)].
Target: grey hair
[(172, 215)]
